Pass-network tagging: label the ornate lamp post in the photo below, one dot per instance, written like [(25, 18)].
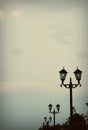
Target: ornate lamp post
[(47, 121), (70, 86), (54, 112)]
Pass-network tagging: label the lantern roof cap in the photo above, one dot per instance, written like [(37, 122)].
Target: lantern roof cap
[(63, 71), (77, 71)]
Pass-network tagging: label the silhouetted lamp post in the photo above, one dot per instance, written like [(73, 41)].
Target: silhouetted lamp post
[(70, 86), (54, 112), (47, 121)]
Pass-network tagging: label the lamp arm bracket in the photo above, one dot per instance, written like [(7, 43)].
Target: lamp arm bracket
[(51, 112), (76, 85), (65, 85), (56, 112), (73, 85)]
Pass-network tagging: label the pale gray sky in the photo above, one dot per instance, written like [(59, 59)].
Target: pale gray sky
[(37, 39)]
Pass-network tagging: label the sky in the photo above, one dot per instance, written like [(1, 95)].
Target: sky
[(38, 38)]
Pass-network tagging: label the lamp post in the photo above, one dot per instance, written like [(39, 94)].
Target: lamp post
[(70, 86), (47, 121), (54, 112)]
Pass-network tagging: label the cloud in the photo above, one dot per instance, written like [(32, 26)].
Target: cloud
[(83, 55), (17, 14), (1, 15), (33, 86), (17, 51)]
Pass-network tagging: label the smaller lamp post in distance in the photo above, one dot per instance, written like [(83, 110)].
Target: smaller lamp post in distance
[(47, 121), (70, 86), (53, 111)]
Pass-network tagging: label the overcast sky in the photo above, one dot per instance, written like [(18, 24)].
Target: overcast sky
[(38, 38)]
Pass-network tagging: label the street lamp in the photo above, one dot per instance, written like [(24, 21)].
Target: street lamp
[(70, 86), (47, 121), (54, 112)]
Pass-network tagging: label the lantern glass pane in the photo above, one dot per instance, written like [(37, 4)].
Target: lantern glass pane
[(50, 118), (58, 106), (78, 76), (62, 76), (50, 106)]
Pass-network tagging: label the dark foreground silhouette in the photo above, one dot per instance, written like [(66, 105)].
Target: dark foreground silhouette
[(77, 122)]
